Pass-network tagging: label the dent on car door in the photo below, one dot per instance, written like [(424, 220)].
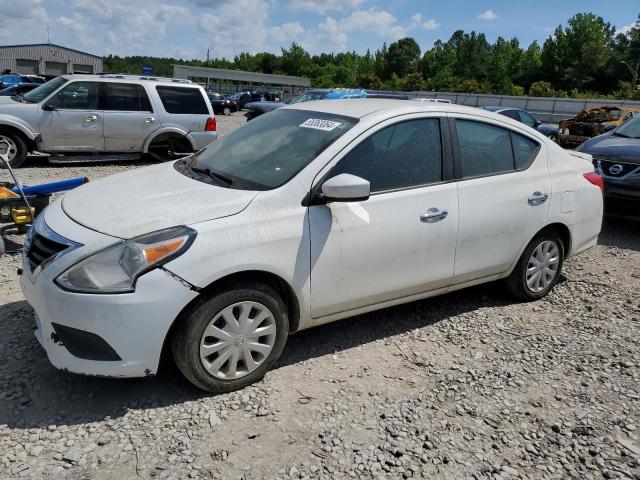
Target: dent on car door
[(399, 242), (503, 188), (72, 119)]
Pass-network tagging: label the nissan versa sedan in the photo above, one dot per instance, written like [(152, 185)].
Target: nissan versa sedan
[(316, 212)]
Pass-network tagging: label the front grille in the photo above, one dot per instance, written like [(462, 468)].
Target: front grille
[(614, 169), (42, 249)]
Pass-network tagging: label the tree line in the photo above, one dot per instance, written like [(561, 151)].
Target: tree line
[(586, 58)]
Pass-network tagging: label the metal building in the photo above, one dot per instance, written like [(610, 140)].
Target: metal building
[(47, 59)]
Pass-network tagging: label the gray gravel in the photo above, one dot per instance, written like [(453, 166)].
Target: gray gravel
[(468, 385)]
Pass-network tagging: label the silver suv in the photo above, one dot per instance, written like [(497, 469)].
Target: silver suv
[(107, 117)]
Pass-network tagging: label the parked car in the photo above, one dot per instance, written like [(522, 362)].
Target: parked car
[(255, 109), (522, 116), (242, 98), (18, 89), (315, 212), (222, 105), (616, 156), (593, 122), (107, 117), (11, 79)]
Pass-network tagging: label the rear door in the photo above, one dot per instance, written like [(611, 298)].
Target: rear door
[(503, 190), (76, 121), (128, 117), (187, 107)]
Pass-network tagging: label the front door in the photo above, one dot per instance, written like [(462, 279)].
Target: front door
[(503, 193), (128, 117), (75, 122), (399, 242)]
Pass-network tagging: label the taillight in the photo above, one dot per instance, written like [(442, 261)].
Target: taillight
[(596, 179), (211, 125)]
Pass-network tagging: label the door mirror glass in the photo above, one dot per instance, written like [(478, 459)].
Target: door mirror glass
[(346, 188), (48, 107)]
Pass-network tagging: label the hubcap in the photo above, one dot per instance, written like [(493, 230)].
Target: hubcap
[(238, 340), (8, 147), (227, 111), (543, 266)]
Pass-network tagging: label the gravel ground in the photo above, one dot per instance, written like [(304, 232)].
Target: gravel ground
[(467, 385)]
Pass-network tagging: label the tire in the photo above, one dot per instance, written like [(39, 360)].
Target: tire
[(189, 339), (14, 144), (532, 290), (165, 149), (227, 111), (553, 138)]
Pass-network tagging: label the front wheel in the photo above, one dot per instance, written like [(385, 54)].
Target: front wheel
[(539, 267), (231, 339), (14, 149), (227, 111)]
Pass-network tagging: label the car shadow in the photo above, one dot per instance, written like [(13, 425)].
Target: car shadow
[(621, 232), (33, 393)]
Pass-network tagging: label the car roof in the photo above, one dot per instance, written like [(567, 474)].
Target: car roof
[(496, 109), (362, 107), (125, 78)]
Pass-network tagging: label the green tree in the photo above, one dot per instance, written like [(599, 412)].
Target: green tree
[(403, 56)]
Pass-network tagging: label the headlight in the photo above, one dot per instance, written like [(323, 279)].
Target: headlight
[(116, 269)]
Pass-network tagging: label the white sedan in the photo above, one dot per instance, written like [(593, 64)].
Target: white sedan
[(309, 214)]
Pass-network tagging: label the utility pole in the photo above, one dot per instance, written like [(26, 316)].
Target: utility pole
[(48, 35)]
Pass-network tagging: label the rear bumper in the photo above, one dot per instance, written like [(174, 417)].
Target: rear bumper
[(200, 140)]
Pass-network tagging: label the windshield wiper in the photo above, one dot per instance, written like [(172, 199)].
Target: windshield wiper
[(618, 134), (225, 181)]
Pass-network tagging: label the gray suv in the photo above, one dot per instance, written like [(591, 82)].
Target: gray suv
[(107, 117)]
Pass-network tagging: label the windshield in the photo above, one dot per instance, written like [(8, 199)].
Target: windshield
[(43, 91), (268, 151), (630, 129)]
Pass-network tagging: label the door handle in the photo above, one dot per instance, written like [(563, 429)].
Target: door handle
[(433, 215), (537, 199), (90, 118), (149, 120)]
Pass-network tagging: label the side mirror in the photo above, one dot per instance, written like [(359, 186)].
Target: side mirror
[(346, 188), (537, 123), (48, 107)]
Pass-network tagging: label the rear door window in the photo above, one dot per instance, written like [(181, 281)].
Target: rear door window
[(126, 97), (489, 150), (182, 100)]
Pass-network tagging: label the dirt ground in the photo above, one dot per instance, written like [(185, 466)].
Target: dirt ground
[(466, 385)]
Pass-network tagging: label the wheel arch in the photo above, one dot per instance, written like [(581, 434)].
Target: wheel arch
[(26, 136), (261, 276), (563, 232), (164, 133)]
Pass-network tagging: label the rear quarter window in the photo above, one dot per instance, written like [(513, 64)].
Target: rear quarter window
[(182, 100)]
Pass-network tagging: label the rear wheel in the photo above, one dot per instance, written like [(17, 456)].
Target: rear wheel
[(12, 145), (169, 148), (539, 267), (231, 339)]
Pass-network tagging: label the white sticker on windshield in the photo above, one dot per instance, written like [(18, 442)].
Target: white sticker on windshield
[(318, 124)]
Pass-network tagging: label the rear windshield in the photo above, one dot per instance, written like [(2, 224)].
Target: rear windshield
[(182, 100), (268, 151)]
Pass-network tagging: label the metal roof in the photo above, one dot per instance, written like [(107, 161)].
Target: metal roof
[(49, 45), (186, 71)]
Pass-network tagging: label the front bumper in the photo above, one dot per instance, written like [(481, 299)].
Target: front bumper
[(622, 197), (133, 325), (200, 140)]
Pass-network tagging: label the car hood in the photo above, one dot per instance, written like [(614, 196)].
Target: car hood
[(149, 199), (264, 106), (614, 147)]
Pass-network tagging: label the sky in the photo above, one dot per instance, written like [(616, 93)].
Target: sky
[(187, 28)]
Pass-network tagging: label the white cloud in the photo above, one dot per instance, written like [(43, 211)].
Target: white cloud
[(488, 15), (379, 21), (287, 32), (627, 28), (418, 21), (323, 6)]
